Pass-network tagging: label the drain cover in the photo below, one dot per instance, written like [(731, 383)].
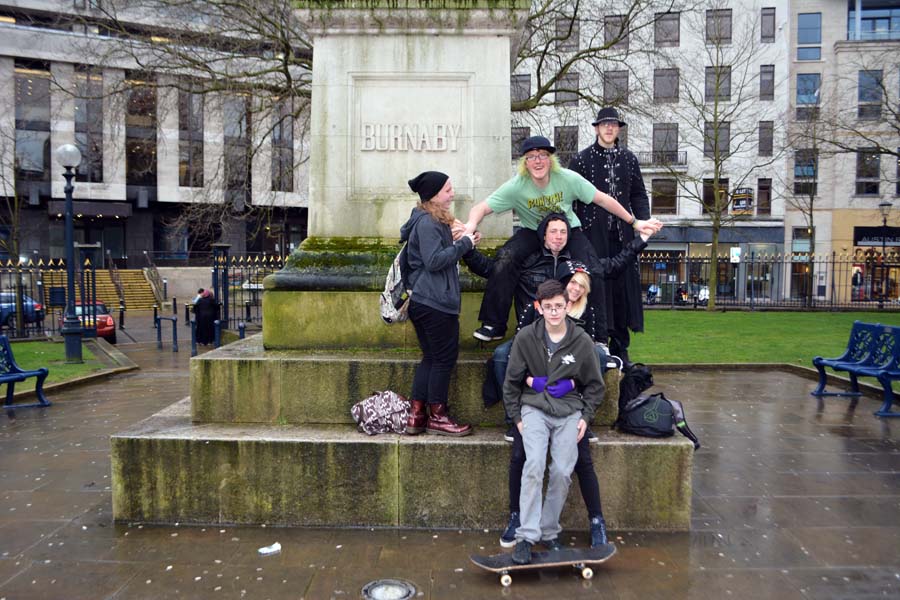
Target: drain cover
[(388, 589)]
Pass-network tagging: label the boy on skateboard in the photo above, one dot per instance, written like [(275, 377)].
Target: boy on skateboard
[(551, 390)]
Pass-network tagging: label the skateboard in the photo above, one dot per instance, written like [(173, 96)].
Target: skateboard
[(580, 558)]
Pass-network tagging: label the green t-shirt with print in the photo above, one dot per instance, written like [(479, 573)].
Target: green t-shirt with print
[(532, 203)]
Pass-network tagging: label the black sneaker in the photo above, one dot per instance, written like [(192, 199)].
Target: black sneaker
[(489, 333), (510, 435), (522, 553), (591, 436), (598, 532), (508, 539), (552, 545)]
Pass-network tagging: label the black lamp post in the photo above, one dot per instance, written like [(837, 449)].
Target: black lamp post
[(69, 156), (885, 209)]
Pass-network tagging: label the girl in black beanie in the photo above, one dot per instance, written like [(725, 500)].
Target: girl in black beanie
[(435, 301)]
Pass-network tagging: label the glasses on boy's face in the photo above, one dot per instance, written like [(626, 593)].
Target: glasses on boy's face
[(538, 156), (553, 308)]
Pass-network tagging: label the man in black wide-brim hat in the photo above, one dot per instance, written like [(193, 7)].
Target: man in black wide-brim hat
[(614, 170)]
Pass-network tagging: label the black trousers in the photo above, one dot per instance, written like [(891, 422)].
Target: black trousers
[(438, 334), (584, 468), (498, 295), (617, 308)]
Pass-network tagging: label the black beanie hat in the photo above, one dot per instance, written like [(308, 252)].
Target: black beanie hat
[(428, 184)]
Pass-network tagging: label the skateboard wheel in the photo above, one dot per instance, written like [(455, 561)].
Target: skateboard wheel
[(587, 572), (505, 580)]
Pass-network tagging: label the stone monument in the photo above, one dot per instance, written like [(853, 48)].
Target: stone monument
[(266, 436)]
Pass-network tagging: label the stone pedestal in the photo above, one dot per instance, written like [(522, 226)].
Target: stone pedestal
[(404, 87)]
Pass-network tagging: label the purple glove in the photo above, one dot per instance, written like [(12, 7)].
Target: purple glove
[(538, 383), (561, 388)]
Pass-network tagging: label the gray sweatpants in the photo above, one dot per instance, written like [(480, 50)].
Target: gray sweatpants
[(540, 519)]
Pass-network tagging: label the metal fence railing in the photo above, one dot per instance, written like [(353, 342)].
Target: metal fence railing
[(864, 281), (237, 285), (36, 291)]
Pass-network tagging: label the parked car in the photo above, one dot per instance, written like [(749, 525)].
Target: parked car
[(33, 311), (106, 326)]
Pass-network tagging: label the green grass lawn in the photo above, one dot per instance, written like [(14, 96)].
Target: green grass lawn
[(33, 355), (678, 336)]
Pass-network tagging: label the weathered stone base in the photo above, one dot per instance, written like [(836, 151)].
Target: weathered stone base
[(242, 383), (166, 469)]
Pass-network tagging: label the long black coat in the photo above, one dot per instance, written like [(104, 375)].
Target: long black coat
[(206, 311), (616, 172)]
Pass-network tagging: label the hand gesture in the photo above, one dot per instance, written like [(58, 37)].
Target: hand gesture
[(561, 387), (537, 383), (650, 226)]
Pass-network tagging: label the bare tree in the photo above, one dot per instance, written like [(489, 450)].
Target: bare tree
[(718, 115), (218, 55)]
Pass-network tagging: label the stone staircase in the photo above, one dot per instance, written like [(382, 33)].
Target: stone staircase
[(138, 293)]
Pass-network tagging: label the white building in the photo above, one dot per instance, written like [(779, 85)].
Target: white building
[(150, 149)]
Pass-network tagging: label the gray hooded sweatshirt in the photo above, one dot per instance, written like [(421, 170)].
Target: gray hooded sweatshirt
[(433, 261)]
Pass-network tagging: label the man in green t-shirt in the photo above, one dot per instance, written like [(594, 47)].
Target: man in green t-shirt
[(542, 186)]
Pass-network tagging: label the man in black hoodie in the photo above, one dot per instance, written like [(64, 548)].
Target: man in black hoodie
[(552, 388)]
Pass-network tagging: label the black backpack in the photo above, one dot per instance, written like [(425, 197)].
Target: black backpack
[(636, 379), (654, 415)]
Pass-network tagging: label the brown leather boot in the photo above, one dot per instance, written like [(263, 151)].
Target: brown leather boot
[(439, 422), (415, 424)]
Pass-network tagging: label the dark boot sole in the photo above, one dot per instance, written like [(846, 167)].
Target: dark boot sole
[(436, 432), (414, 430)]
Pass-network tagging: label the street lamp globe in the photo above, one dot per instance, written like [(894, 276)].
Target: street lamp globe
[(68, 155), (885, 209)]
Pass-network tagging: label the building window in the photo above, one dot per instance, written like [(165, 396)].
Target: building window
[(32, 151), (880, 22), (767, 26), (520, 87), (517, 136), (868, 172), (667, 29), (809, 36), (664, 197), (766, 137), (806, 168), (767, 82), (718, 83), (236, 122), (190, 138), (89, 123), (711, 200), (763, 196), (897, 191), (718, 26), (665, 143), (615, 35), (869, 94), (615, 88), (665, 85), (283, 147), (808, 96), (567, 90), (716, 139), (567, 34), (140, 131), (565, 138)]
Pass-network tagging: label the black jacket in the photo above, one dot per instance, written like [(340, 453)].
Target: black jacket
[(616, 172)]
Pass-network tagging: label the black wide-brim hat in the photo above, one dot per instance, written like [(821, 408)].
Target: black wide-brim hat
[(608, 114), (537, 142)]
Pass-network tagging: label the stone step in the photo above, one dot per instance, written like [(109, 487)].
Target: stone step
[(243, 383), (167, 469)]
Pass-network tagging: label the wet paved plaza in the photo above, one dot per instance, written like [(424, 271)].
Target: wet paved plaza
[(793, 498)]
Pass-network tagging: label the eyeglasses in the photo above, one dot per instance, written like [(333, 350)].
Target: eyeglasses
[(553, 308), (608, 124), (538, 156)]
